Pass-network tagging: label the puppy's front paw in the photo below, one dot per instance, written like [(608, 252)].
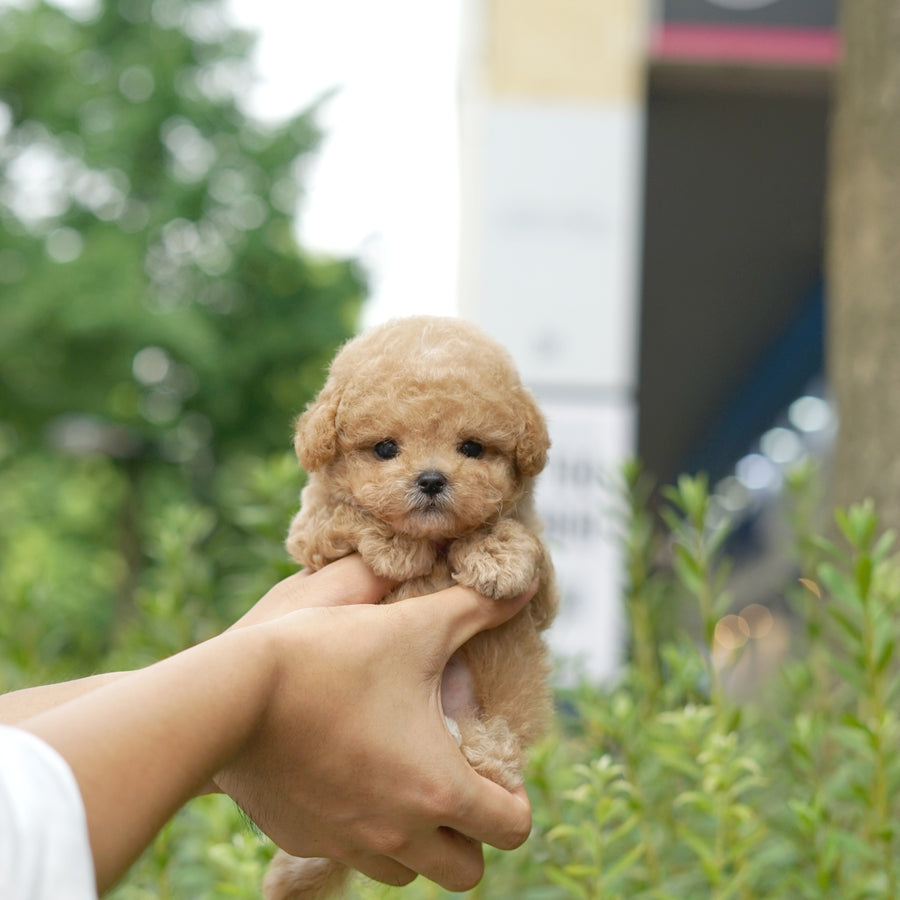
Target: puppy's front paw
[(499, 564), (398, 557)]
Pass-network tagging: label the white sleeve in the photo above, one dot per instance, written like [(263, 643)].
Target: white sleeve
[(45, 853)]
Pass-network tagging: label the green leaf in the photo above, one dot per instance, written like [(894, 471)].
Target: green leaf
[(847, 625), (829, 548), (570, 884), (808, 815), (718, 536), (854, 722), (564, 831), (839, 584), (884, 546), (700, 800), (625, 862), (580, 871), (705, 853), (689, 570), (863, 575), (885, 654)]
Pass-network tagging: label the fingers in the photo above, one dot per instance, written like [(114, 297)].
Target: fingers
[(451, 860), (385, 870), (453, 857), (491, 814), (445, 857)]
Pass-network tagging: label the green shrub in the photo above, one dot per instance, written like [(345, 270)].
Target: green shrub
[(663, 785)]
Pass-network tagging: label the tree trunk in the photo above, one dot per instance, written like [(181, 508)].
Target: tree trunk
[(864, 258)]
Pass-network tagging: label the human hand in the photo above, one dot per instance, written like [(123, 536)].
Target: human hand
[(352, 759), (346, 581)]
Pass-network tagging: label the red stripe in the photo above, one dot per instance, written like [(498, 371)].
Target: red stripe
[(708, 43)]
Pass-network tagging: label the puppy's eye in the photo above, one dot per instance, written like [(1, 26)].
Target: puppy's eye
[(472, 449), (387, 449)]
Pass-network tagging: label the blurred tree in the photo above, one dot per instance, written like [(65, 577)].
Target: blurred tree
[(153, 301), (159, 328), (864, 257)]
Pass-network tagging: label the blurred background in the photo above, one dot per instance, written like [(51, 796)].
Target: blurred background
[(199, 200), (683, 219)]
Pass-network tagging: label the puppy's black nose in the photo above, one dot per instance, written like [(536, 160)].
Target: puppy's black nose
[(431, 482)]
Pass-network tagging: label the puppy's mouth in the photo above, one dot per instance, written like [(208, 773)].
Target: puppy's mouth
[(429, 496)]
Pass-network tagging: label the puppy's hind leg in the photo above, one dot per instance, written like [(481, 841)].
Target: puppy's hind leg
[(292, 878), (488, 743), (493, 750)]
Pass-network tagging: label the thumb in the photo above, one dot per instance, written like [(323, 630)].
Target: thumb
[(458, 613), (344, 582)]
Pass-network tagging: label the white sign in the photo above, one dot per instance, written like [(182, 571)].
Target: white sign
[(575, 498)]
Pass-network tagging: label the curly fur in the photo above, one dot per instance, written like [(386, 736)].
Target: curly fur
[(436, 512)]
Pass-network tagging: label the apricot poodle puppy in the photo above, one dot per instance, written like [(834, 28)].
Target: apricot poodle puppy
[(422, 449)]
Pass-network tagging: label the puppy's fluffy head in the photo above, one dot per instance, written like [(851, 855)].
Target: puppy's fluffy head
[(425, 424)]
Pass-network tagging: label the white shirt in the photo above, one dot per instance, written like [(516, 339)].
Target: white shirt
[(45, 853)]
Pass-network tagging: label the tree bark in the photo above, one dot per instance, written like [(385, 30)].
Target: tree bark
[(863, 258)]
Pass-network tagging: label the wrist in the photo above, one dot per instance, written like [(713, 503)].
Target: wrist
[(251, 657), (248, 659)]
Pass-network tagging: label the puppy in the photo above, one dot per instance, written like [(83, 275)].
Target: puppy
[(422, 449)]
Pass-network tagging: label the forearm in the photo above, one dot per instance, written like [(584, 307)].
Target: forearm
[(142, 745), (16, 706)]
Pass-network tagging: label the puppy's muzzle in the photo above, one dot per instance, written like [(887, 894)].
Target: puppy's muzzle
[(431, 483)]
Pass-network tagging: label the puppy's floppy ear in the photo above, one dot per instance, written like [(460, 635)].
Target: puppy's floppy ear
[(315, 431), (534, 441)]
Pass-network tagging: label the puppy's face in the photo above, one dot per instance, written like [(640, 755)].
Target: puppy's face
[(424, 424), (427, 471)]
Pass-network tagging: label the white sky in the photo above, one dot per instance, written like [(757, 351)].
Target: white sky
[(384, 186)]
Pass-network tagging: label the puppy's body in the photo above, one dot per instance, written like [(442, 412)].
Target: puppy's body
[(422, 450)]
